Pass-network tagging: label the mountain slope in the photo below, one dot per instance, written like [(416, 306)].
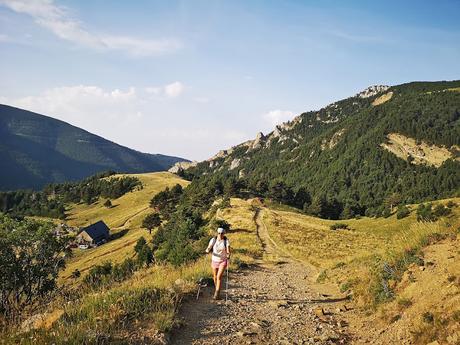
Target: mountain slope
[(339, 155), (36, 149)]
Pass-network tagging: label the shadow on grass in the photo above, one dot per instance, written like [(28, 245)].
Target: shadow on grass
[(118, 234)]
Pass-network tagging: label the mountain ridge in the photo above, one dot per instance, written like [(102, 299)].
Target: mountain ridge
[(336, 151), (37, 149)]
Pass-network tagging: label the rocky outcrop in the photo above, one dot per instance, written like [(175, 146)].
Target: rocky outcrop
[(372, 91), (257, 142), (417, 152), (331, 143), (182, 166), (221, 154), (235, 163)]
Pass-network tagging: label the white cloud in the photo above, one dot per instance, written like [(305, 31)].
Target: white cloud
[(172, 90), (132, 117), (57, 20), (276, 117), (89, 107)]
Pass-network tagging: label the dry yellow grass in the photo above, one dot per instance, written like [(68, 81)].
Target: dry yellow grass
[(310, 239), (127, 214), (243, 235), (129, 209)]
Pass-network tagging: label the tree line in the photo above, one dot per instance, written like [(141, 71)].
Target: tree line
[(51, 201)]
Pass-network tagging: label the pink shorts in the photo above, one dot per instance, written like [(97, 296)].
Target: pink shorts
[(219, 264)]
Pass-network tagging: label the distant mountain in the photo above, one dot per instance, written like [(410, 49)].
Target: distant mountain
[(37, 149), (400, 142)]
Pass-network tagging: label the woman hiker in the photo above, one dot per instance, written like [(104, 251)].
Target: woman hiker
[(220, 246)]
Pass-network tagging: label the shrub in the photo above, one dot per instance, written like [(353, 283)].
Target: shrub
[(440, 210), (386, 212), (108, 203), (338, 226), (428, 317), (31, 257), (346, 286), (405, 302), (403, 212), (322, 277), (451, 204), (108, 273), (425, 213)]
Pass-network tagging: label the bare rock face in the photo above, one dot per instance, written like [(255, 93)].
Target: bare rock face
[(221, 154), (235, 163), (276, 133), (372, 91), (258, 141), (182, 166)]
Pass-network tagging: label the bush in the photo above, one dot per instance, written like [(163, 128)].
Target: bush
[(440, 210), (322, 277), (386, 212), (428, 317), (31, 257), (339, 226), (451, 204), (425, 213), (403, 212), (108, 203)]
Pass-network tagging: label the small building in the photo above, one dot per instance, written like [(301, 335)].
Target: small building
[(95, 234)]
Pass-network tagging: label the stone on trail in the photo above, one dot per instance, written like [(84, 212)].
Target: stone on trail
[(319, 312)]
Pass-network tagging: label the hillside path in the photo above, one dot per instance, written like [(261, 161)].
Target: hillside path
[(272, 302)]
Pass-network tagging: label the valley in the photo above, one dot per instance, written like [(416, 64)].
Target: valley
[(344, 225)]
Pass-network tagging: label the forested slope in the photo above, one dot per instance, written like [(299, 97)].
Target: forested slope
[(333, 162)]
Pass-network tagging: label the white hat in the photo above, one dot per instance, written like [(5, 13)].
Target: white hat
[(220, 230)]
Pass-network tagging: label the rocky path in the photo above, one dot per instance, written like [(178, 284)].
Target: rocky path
[(272, 302)]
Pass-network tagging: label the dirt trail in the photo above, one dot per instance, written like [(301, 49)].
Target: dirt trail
[(272, 302)]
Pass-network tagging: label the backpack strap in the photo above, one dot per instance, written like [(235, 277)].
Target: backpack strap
[(214, 239)]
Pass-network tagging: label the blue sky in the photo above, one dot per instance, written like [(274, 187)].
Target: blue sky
[(189, 78)]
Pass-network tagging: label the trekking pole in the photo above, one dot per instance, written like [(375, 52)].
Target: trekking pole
[(226, 284)]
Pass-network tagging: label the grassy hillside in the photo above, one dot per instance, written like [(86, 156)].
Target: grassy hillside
[(145, 305), (36, 150), (124, 217), (403, 274)]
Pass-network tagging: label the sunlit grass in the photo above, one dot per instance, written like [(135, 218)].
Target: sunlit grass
[(243, 234), (127, 214)]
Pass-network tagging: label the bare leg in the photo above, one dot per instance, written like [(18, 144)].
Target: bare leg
[(214, 276), (220, 273)]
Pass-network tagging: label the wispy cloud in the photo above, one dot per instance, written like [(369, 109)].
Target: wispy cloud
[(172, 90), (277, 116), (57, 20), (353, 37)]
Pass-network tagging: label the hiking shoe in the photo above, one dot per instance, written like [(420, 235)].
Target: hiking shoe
[(216, 295)]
